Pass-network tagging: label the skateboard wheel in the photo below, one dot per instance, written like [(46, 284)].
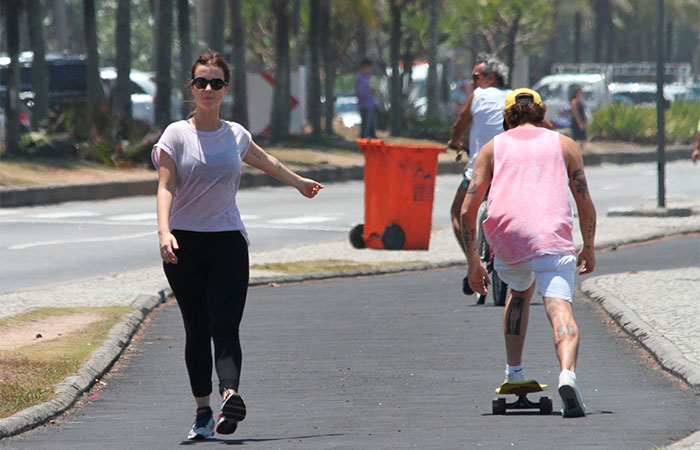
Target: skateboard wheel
[(545, 405), (498, 406), (356, 239)]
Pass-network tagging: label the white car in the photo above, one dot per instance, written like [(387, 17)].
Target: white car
[(143, 94), (555, 90), (346, 107)]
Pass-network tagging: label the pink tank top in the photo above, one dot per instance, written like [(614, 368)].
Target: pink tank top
[(529, 211)]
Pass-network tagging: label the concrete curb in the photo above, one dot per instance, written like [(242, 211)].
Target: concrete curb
[(70, 389), (663, 350), (37, 195)]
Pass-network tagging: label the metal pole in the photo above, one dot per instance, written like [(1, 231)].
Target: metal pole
[(660, 104)]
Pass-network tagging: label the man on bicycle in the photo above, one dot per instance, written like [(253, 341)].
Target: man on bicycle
[(484, 111), (530, 171)]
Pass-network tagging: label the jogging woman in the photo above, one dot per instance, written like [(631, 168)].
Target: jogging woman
[(203, 242)]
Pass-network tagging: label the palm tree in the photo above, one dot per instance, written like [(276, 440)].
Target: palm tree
[(183, 25), (40, 82), (281, 108), (314, 82), (211, 20), (432, 83), (163, 41), (240, 82), (396, 113), (122, 92), (328, 65), (94, 84), (10, 11)]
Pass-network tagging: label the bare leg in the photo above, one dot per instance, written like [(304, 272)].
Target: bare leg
[(456, 213), (515, 319), (566, 336)]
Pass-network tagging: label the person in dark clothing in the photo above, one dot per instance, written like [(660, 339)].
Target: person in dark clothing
[(578, 116)]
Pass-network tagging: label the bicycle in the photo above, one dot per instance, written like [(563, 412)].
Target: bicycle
[(499, 288)]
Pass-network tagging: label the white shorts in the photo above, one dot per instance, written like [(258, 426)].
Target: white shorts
[(554, 275)]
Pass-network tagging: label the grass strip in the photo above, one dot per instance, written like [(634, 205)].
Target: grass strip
[(29, 375), (326, 265)]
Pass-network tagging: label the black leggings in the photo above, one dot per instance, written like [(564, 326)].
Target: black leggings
[(210, 282)]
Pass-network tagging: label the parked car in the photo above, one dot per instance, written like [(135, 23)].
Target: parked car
[(67, 76), (346, 108), (644, 94), (555, 90), (25, 113), (143, 93)]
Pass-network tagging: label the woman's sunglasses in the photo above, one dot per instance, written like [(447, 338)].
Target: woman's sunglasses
[(216, 83)]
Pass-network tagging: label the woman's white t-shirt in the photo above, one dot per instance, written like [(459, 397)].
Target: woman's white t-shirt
[(208, 175)]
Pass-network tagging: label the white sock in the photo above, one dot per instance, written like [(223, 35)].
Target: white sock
[(570, 373), (513, 369)]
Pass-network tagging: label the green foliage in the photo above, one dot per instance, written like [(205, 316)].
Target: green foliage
[(638, 124)]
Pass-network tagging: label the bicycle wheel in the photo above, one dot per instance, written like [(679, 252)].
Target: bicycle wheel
[(499, 290)]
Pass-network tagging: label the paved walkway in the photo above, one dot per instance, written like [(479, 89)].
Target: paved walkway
[(660, 309)]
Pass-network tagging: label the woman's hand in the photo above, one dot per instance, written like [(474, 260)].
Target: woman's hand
[(309, 188), (168, 245)]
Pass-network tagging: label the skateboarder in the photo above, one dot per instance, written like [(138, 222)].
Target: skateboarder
[(530, 171)]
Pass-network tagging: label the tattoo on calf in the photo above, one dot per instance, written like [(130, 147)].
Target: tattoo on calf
[(579, 180), (514, 316)]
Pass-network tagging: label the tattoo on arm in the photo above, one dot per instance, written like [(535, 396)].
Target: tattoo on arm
[(473, 185), (514, 316), (469, 238), (590, 230), (255, 153), (579, 180)]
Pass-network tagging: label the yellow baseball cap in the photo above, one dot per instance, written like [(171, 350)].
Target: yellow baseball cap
[(522, 95)]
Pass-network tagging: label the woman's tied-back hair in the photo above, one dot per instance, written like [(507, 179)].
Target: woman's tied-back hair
[(211, 58), (493, 65)]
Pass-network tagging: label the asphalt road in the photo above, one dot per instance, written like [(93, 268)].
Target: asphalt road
[(48, 244), (391, 362)]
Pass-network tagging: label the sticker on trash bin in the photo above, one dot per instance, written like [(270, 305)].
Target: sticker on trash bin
[(423, 186)]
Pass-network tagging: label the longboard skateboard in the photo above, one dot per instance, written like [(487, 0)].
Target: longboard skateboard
[(521, 389)]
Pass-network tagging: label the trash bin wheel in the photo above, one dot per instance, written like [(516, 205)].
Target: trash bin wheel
[(356, 239), (393, 237)]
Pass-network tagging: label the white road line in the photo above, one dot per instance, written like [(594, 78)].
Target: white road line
[(81, 241), (302, 220), (64, 215), (134, 217)]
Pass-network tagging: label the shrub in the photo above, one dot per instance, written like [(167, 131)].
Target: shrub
[(638, 124)]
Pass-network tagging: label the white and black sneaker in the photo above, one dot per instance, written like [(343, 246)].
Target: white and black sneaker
[(203, 426), (232, 411), (571, 402)]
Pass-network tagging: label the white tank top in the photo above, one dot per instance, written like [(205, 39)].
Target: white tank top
[(487, 120)]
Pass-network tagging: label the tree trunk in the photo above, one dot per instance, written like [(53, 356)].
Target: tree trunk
[(281, 107), (163, 44), (328, 66), (361, 37), (40, 81), (94, 83), (433, 94), (211, 20), (60, 24), (121, 97), (240, 82), (10, 12), (577, 37), (512, 36), (396, 112), (314, 78), (186, 59)]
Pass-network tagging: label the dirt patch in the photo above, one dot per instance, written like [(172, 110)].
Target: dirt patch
[(42, 171), (45, 330)]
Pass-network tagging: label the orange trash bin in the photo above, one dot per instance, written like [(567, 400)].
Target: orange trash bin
[(399, 190)]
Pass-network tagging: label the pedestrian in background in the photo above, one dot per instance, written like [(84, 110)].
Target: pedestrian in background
[(366, 101), (695, 155), (484, 112), (531, 172), (203, 242), (578, 115)]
